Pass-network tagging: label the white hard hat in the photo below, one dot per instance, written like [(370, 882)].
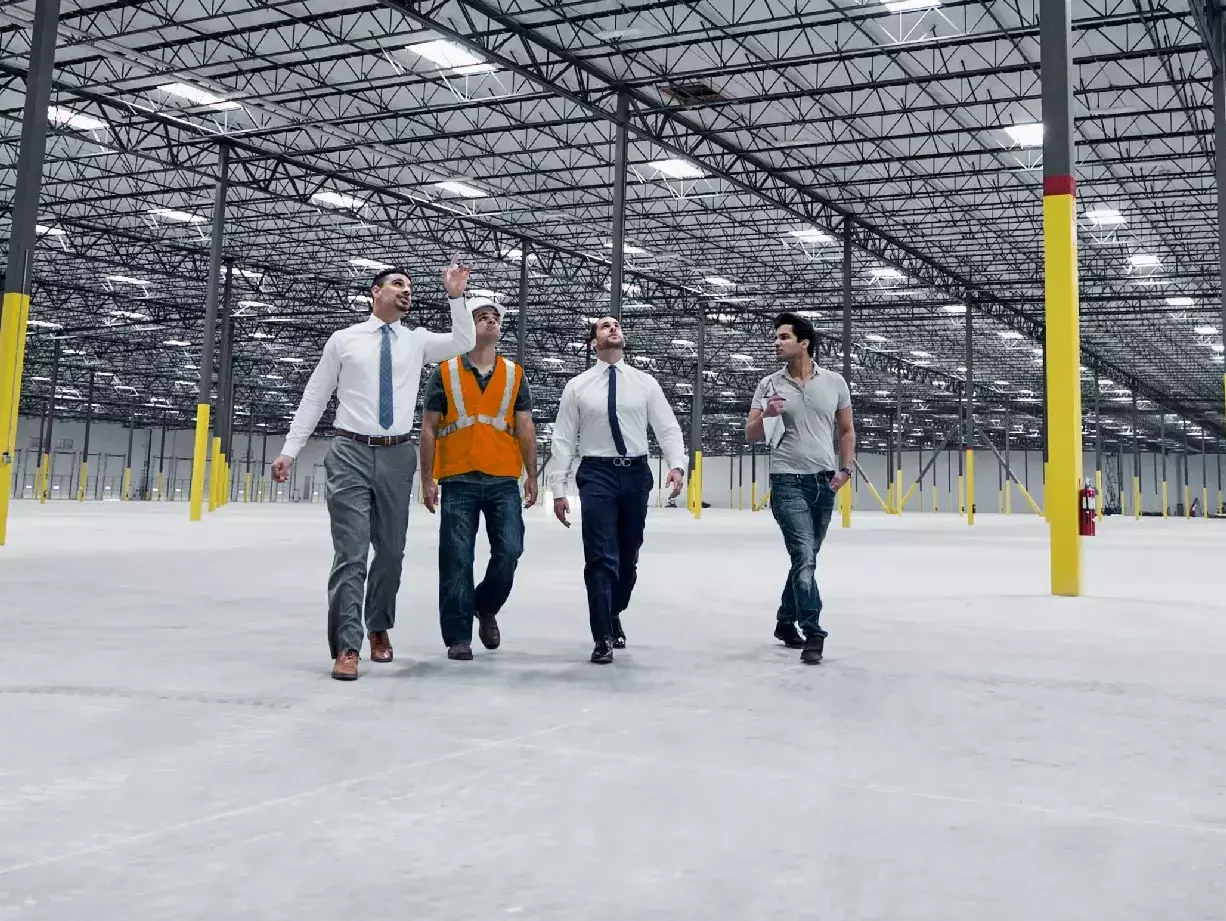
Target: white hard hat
[(481, 303)]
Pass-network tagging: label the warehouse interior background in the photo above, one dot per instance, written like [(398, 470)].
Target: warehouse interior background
[(1006, 220)]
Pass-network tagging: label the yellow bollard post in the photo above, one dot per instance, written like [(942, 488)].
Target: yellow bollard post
[(696, 479), (196, 499), (1187, 501), (161, 485), (1008, 498), (84, 478), (46, 486), (1136, 497), (215, 474), (126, 493), (845, 504), (1165, 499), (16, 313), (970, 486), (247, 487)]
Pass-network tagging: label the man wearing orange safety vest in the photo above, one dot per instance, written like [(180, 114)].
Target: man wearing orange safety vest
[(477, 438)]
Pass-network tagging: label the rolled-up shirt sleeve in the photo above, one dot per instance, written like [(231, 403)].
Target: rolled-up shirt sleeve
[(664, 423), (319, 389), (565, 442)]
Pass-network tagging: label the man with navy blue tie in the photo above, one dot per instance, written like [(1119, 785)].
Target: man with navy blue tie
[(602, 419), (374, 368)]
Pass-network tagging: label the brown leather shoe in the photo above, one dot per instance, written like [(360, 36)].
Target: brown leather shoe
[(346, 666), (461, 652), (487, 630), (380, 646)]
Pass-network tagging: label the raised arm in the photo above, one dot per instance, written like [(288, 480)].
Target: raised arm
[(463, 335)]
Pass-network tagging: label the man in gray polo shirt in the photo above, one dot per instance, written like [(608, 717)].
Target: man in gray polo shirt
[(813, 406)]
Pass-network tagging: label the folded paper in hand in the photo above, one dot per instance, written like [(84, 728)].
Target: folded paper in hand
[(772, 426)]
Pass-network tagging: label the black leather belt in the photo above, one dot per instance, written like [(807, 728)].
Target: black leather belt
[(375, 441), (616, 461)]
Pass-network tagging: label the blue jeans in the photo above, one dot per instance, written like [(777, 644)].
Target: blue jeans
[(613, 508), (462, 505), (802, 505)]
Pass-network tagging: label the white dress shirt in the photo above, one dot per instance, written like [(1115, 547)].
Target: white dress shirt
[(582, 427), (349, 367)]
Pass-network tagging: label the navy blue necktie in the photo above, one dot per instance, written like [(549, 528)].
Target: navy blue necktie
[(614, 426), (386, 414)]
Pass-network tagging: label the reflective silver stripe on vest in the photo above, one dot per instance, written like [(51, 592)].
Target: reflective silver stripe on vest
[(498, 422)]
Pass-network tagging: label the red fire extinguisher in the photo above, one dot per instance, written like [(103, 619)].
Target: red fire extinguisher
[(1088, 511)]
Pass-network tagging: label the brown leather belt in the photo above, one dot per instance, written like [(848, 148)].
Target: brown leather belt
[(375, 441)]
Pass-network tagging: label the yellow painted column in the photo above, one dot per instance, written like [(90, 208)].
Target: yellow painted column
[(1137, 502), (1187, 500), (696, 483), (1098, 493), (12, 362), (1204, 502), (161, 485), (46, 487), (215, 474), (1064, 459), (247, 487), (1008, 497), (127, 484), (970, 485), (84, 478), (1165, 500), (199, 453)]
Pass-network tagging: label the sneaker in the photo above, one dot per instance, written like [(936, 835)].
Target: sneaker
[(812, 653), (789, 635)]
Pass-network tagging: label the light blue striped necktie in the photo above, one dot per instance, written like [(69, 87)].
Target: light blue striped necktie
[(386, 415)]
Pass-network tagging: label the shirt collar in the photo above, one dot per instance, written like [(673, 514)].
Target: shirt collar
[(783, 372), (620, 364), (374, 324)]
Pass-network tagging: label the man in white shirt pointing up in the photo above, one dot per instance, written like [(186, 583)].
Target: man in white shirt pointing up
[(602, 418), (375, 368)]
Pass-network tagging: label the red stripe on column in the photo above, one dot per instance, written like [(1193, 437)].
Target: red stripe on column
[(1059, 185)]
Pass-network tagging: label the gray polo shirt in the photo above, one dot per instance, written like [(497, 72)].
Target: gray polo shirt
[(809, 428)]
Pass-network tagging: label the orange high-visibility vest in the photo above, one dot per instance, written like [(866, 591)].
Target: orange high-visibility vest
[(477, 433)]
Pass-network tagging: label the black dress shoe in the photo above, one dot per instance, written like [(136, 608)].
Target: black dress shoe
[(487, 630), (789, 635), (603, 653), (812, 653), (461, 652), (619, 635)]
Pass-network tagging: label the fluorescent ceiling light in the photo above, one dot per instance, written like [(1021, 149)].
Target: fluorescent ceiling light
[(954, 308), (1029, 134), (71, 119), (130, 315), (1009, 334), (884, 271), (1105, 217), (260, 334), (720, 281), (176, 342), (291, 361), (127, 280), (181, 217), (873, 337), (254, 305), (361, 299), (337, 200), (1205, 330), (462, 189), (629, 248), (811, 235), (677, 168), (739, 356), (1218, 347), (369, 264), (46, 231), (920, 353), (1001, 383), (1180, 302), (450, 56), (1144, 260), (44, 324), (909, 6), (517, 255), (485, 292), (198, 96)]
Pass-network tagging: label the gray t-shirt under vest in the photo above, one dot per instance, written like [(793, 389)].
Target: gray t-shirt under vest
[(809, 429)]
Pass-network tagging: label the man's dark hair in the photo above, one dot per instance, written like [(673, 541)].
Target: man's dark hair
[(396, 270), (802, 329)]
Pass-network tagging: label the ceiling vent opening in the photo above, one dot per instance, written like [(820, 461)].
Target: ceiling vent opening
[(693, 93)]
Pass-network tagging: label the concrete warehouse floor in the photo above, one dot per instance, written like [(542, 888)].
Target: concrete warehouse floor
[(171, 745)]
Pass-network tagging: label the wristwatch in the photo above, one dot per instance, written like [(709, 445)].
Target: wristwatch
[(845, 470)]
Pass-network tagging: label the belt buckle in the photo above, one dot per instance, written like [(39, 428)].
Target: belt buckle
[(621, 462)]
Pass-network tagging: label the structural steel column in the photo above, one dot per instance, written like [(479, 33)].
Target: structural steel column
[(27, 179), (224, 426), (1162, 437), (126, 491), (1187, 488), (895, 492), (250, 446), (1061, 298), (89, 420), (1008, 466), (696, 413), (521, 339), (144, 483), (1098, 449), (621, 152), (161, 482), (203, 396), (845, 492), (1219, 157), (49, 445), (970, 412), (1137, 503)]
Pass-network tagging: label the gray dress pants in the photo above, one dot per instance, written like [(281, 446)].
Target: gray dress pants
[(368, 491)]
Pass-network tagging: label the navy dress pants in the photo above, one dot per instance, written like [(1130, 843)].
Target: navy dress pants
[(613, 494)]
